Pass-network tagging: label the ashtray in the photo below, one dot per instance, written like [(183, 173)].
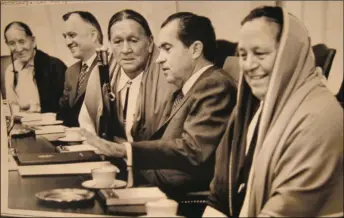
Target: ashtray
[(66, 196)]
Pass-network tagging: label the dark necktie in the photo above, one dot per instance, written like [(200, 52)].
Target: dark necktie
[(178, 99), (82, 78), (15, 79), (126, 103)]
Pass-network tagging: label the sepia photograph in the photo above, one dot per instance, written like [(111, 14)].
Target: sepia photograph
[(172, 108)]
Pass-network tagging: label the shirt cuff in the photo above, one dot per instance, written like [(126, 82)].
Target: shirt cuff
[(129, 160), (128, 147), (212, 212)]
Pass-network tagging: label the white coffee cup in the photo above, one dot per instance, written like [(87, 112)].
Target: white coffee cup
[(73, 133), (162, 208), (104, 176)]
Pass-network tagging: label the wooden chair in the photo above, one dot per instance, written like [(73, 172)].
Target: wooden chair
[(324, 57)]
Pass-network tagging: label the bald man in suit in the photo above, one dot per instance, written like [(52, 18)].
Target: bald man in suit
[(82, 36)]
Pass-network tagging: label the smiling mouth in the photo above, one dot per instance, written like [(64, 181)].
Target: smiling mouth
[(128, 60), (72, 47), (257, 77)]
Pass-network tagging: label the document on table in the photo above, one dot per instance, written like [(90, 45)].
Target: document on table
[(61, 169)]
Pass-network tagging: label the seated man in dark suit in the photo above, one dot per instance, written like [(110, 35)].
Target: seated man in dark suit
[(82, 36), (179, 157)]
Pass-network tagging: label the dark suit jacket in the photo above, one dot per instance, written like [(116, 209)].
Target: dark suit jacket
[(50, 76), (70, 104), (180, 154)]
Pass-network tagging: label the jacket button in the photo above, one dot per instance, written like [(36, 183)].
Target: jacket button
[(103, 134)]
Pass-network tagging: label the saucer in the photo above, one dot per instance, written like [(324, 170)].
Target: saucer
[(91, 184), (65, 139)]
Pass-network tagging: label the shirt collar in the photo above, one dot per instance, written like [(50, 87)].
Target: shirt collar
[(89, 61), (189, 83), (123, 80)]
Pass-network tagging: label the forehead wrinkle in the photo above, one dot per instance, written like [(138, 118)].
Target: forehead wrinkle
[(127, 27)]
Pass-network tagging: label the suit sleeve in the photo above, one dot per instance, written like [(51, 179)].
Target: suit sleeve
[(203, 128), (218, 197), (58, 68), (61, 70)]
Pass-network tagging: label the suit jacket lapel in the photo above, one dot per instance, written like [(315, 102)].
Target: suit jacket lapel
[(83, 89), (186, 97), (73, 81)]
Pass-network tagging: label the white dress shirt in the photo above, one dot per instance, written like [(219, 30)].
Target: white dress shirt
[(89, 61), (132, 99), (26, 92), (185, 89)]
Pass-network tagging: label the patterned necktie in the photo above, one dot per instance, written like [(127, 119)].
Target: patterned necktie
[(82, 78), (178, 99)]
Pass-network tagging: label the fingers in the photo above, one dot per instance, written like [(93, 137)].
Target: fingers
[(105, 147)]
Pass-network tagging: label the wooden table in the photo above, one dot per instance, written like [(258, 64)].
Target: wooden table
[(22, 190)]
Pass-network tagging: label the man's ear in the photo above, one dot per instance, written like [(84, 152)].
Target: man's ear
[(151, 44), (196, 49), (94, 35), (34, 41)]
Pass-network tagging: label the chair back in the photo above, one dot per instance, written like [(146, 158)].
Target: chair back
[(231, 67), (324, 57)]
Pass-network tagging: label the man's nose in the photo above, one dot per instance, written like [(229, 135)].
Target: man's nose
[(18, 47), (126, 48), (68, 41), (160, 59), (250, 63)]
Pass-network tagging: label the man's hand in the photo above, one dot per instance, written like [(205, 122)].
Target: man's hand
[(107, 148)]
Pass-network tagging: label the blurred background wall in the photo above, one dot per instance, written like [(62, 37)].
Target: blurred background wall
[(324, 20)]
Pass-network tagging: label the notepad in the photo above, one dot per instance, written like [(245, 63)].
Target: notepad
[(61, 169), (57, 158)]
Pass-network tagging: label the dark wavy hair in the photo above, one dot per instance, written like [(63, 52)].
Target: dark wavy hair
[(271, 13), (22, 25), (193, 28), (131, 15), (88, 18)]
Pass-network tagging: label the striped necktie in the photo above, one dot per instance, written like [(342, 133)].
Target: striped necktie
[(178, 99), (82, 78)]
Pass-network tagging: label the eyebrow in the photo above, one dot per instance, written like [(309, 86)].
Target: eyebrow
[(164, 45)]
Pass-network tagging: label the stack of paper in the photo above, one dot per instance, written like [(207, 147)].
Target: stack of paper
[(49, 129), (131, 196), (28, 117), (60, 169)]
